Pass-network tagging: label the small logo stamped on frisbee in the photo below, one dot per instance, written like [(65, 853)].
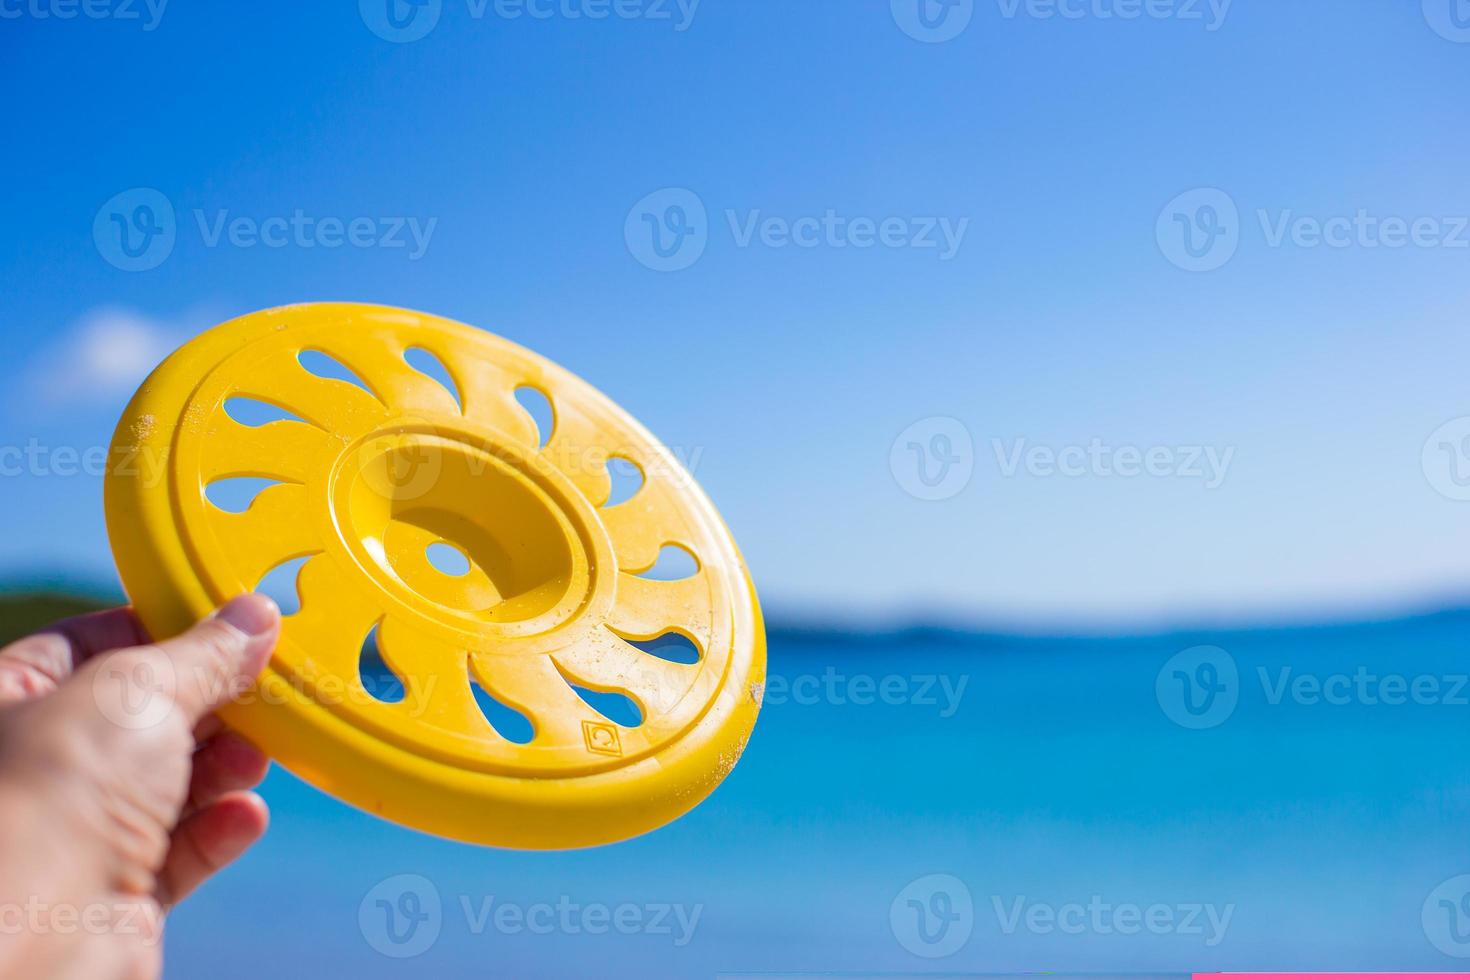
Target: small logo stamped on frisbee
[(601, 738)]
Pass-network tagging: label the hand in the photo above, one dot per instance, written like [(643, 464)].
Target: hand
[(119, 791)]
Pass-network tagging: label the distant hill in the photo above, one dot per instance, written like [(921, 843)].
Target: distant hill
[(29, 605), (25, 613)]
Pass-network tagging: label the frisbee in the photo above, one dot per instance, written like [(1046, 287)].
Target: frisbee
[(483, 643)]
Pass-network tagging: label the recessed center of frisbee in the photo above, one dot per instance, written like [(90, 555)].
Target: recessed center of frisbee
[(412, 496)]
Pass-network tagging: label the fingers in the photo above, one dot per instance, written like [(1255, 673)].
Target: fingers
[(208, 840), (225, 764), (209, 726), (212, 661), (36, 665)]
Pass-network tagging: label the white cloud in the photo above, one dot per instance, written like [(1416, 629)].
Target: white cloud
[(104, 355)]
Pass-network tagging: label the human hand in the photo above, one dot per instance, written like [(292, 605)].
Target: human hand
[(120, 792)]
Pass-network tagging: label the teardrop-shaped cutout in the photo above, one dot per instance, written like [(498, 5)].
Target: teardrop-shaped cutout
[(280, 583), (626, 478), (538, 405), (509, 723), (672, 646), (324, 365), (674, 563), (615, 707), (427, 363), (235, 494), (254, 413), (377, 677)]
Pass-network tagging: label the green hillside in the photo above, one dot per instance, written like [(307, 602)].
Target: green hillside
[(27, 612)]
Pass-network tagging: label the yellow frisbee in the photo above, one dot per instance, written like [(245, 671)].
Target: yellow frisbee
[(553, 607)]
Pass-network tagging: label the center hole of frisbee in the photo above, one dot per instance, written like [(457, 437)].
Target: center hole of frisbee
[(448, 559), (460, 527)]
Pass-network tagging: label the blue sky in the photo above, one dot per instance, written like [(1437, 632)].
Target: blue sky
[(798, 355)]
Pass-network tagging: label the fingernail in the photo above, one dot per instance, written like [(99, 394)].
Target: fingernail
[(251, 613)]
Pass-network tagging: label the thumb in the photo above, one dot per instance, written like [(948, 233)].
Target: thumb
[(213, 661)]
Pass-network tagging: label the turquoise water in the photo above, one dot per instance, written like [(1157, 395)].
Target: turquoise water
[(1076, 825)]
